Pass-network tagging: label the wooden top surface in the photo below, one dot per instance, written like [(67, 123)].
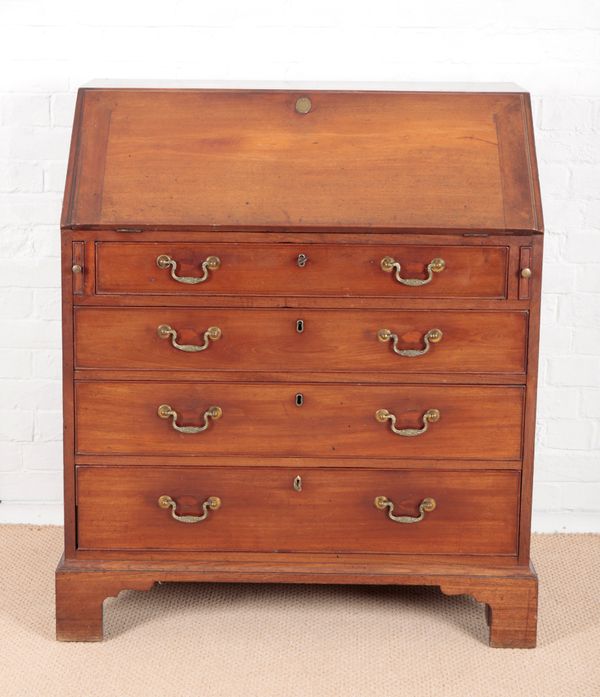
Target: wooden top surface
[(245, 159)]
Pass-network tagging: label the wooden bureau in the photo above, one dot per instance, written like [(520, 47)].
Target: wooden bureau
[(300, 343)]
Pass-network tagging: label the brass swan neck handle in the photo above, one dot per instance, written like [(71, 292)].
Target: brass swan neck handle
[(426, 506), (389, 264), (212, 263), (430, 416)]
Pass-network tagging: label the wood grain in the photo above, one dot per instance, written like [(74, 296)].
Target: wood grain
[(334, 421), (351, 270), (261, 511), (270, 340), (357, 159)]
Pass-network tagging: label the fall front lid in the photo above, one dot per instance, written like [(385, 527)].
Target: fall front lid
[(302, 159)]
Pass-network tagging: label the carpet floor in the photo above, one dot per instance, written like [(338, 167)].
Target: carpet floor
[(229, 640)]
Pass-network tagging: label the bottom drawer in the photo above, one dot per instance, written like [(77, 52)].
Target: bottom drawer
[(285, 510)]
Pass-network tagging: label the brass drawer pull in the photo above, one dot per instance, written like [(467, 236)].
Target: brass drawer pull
[(430, 416), (426, 506), (389, 264), (433, 336), (166, 412), (164, 331), (164, 261), (212, 503)]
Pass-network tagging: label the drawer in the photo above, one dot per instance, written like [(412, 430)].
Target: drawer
[(278, 269), (298, 420), (300, 340), (335, 511)]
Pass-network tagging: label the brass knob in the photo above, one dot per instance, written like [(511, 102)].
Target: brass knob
[(303, 105), (526, 272), (77, 268)]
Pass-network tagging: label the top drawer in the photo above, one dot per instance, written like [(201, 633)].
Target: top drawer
[(390, 270)]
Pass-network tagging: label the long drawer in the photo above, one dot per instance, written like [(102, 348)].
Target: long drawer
[(300, 420), (277, 510), (391, 270), (383, 341)]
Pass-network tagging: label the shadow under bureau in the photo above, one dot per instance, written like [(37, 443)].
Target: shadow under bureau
[(300, 343)]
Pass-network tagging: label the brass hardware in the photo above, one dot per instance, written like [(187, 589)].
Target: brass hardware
[(302, 260), (526, 273), (300, 326), (426, 506), (303, 105), (299, 399), (166, 412), (430, 416), (389, 264), (298, 483), (433, 336), (164, 331), (76, 268), (212, 263), (129, 229), (212, 503)]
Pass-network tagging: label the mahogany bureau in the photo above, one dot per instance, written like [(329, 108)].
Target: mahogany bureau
[(300, 343)]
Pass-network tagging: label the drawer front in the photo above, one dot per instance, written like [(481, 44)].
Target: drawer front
[(334, 510), (483, 422), (278, 269), (309, 340)]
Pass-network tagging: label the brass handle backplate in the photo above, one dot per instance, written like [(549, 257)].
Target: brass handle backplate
[(426, 506), (166, 412), (212, 503), (433, 336), (389, 264), (164, 261), (165, 331), (430, 416)]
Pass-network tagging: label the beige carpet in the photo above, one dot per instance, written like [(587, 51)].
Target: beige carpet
[(194, 640)]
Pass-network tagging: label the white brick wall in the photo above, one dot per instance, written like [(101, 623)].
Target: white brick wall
[(48, 49)]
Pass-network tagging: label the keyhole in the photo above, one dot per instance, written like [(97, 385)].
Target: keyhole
[(301, 260), (299, 399), (298, 483), (300, 326)]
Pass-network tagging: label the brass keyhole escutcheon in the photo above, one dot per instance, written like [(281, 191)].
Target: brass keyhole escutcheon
[(298, 483), (301, 260), (299, 326), (303, 105), (299, 399)]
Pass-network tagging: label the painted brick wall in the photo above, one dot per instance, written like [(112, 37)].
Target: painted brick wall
[(48, 49)]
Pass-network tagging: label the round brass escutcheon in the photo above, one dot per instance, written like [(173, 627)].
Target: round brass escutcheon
[(437, 265), (387, 264), (526, 273), (164, 331), (381, 415), (428, 504), (384, 335), (214, 502), (164, 411), (435, 335), (381, 502), (213, 263), (303, 105), (76, 268), (163, 261), (214, 333), (165, 501), (215, 412), (432, 415)]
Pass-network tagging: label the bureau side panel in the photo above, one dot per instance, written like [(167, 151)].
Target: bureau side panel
[(531, 397)]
